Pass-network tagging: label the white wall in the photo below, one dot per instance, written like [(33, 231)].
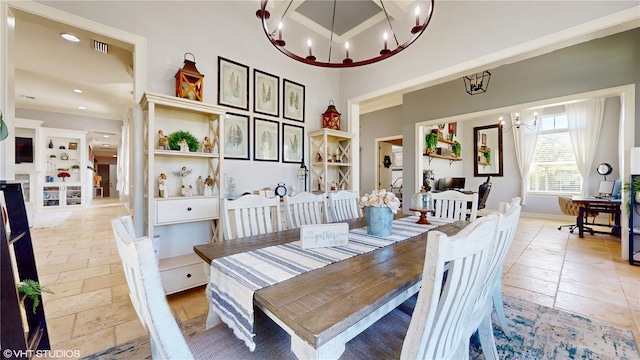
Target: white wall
[(209, 29)]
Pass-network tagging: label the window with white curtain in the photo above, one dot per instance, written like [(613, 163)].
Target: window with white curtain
[(553, 169)]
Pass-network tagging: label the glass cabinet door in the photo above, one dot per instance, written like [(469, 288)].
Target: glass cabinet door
[(73, 195), (51, 196)]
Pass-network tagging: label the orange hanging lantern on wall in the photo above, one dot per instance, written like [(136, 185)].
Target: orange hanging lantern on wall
[(189, 82), (331, 117)]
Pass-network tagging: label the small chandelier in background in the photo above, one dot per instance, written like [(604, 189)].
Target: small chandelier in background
[(477, 83), (343, 59), (518, 123)]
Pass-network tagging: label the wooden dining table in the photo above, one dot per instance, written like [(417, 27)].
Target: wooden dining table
[(325, 308)]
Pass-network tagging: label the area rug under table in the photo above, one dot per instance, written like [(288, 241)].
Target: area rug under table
[(538, 332)]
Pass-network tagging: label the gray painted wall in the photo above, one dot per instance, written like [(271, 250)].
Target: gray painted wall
[(598, 64)]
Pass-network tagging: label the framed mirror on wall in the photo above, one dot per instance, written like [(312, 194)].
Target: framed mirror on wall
[(488, 145)]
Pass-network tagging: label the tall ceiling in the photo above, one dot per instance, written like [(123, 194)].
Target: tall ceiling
[(48, 69)]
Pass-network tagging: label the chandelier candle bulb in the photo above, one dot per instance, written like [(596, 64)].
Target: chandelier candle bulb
[(280, 31), (346, 46), (417, 15), (385, 37)]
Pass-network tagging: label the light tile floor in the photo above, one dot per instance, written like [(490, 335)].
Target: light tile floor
[(90, 310)]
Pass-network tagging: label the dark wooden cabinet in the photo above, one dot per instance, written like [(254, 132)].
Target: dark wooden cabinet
[(17, 261)]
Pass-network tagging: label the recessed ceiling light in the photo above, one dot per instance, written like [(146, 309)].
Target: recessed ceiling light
[(106, 145), (115, 155), (106, 136), (70, 37), (77, 91), (81, 107)]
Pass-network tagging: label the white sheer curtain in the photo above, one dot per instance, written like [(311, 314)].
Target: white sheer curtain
[(524, 140), (584, 119), (123, 163)]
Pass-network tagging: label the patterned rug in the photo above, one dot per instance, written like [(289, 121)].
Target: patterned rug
[(538, 332)]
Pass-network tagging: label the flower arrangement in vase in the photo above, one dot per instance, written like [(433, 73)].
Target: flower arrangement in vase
[(379, 207)]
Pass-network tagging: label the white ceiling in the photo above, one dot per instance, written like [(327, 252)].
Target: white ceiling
[(48, 69)]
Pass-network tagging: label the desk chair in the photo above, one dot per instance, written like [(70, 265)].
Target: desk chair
[(483, 193), (250, 215), (304, 208), (568, 207), (344, 205)]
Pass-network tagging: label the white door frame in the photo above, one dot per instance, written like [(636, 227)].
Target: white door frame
[(7, 72)]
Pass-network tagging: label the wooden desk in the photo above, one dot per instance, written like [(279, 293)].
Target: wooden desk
[(601, 205), (324, 308)]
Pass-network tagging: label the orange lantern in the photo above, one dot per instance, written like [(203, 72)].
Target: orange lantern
[(189, 82), (331, 117)]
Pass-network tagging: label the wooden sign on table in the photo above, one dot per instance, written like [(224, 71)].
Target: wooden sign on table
[(324, 235)]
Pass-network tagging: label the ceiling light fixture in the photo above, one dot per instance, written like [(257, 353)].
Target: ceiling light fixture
[(518, 123), (77, 91), (295, 50), (81, 107), (477, 83), (105, 145), (105, 136), (70, 37)]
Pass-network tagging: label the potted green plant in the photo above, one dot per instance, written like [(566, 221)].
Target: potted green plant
[(431, 142), (456, 148), (487, 155), (52, 156), (636, 190), (75, 167), (32, 290)]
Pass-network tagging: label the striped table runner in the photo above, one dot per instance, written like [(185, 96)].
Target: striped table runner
[(235, 278)]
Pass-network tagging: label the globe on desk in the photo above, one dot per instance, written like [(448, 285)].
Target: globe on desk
[(423, 203)]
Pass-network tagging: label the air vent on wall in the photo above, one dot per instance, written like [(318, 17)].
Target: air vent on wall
[(100, 46)]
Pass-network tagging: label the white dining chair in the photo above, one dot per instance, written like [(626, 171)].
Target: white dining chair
[(344, 206), (124, 234), (250, 215), (453, 205), (304, 209), (507, 232)]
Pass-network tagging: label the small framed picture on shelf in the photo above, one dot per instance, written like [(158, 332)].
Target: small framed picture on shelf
[(292, 143), (293, 101), (484, 139), (266, 92), (73, 146), (233, 84), (236, 133), (265, 140)]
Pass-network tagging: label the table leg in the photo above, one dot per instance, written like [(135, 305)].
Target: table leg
[(329, 350), (581, 222)]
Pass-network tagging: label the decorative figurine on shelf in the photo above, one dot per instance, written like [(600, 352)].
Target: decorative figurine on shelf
[(208, 186), (163, 141), (206, 145), (200, 184), (334, 186), (318, 157), (162, 186), (183, 173), (184, 147), (183, 190), (50, 144), (319, 183), (189, 191), (337, 157)]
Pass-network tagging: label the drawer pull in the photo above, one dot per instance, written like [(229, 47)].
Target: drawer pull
[(189, 208), (188, 275)]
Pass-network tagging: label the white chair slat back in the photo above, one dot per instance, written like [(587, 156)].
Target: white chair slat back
[(344, 206), (250, 215), (304, 209), (452, 205)]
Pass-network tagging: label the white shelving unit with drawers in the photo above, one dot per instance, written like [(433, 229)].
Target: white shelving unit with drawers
[(177, 222)]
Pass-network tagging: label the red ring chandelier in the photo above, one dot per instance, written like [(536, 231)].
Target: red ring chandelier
[(276, 38)]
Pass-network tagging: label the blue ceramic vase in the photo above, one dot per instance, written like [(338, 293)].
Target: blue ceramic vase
[(379, 220)]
